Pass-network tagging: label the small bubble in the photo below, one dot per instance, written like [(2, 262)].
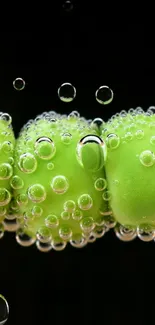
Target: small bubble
[(51, 221), (66, 92), (99, 231), (65, 232), (97, 123), (50, 166), (58, 244), (6, 171), (78, 241), (23, 239), (77, 215), (128, 136), (27, 163), (85, 202), (66, 138), (87, 224), (73, 115), (19, 84), (7, 118), (22, 199), (67, 5), (152, 140), (45, 148), (65, 215), (44, 247), (112, 141), (59, 184), (4, 310), (139, 134), (69, 206), (147, 158), (44, 234), (37, 193), (7, 147), (145, 234), (100, 184), (106, 196), (16, 182), (5, 196), (104, 95), (37, 211), (125, 233)]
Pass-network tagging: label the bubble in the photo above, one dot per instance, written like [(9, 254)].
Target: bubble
[(37, 193), (85, 202), (100, 221), (65, 232), (50, 166), (7, 118), (145, 234), (78, 241), (27, 163), (110, 221), (152, 140), (51, 221), (4, 310), (45, 148), (59, 184), (6, 171), (44, 234), (106, 196), (37, 211), (100, 184), (16, 182), (65, 215), (125, 233), (7, 147), (19, 84), (147, 158), (73, 115), (87, 224), (22, 199), (44, 247), (91, 238), (69, 206), (139, 134), (77, 215), (97, 123), (1, 230), (67, 92), (99, 231), (104, 95), (5, 196), (66, 138), (67, 5), (128, 136), (112, 141), (23, 239)]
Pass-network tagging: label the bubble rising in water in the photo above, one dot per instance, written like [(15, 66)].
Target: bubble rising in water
[(23, 239), (112, 141), (6, 171), (66, 138), (145, 234), (104, 95), (87, 224), (45, 148), (16, 182), (67, 92), (7, 118), (7, 147), (4, 310), (51, 221), (85, 202), (19, 84), (37, 193), (5, 196), (100, 184), (125, 233), (147, 158)]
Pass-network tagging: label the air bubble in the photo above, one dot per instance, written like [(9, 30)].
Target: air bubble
[(67, 5), (99, 231), (4, 310), (37, 193), (5, 196), (139, 134), (66, 138), (73, 115), (65, 215), (59, 184), (104, 95), (37, 211), (77, 215), (7, 147), (100, 184), (50, 166), (45, 148), (85, 202), (16, 182), (145, 234), (7, 118), (67, 92), (147, 158), (112, 141), (6, 171), (19, 84), (51, 221), (23, 239), (78, 241), (22, 199), (27, 163), (106, 196), (69, 206), (44, 234), (65, 232), (87, 224)]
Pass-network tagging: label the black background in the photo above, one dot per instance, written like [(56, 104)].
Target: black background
[(107, 282)]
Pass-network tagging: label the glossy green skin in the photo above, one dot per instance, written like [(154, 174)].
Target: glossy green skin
[(81, 176)]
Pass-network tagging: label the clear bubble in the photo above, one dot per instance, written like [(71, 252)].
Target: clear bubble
[(87, 224), (22, 199), (19, 84), (44, 234), (145, 234), (58, 244), (27, 163), (69, 206), (78, 241), (5, 196), (104, 95), (67, 92), (73, 115), (50, 166), (16, 182), (77, 215), (106, 196), (59, 184), (100, 184), (66, 138), (97, 123), (45, 148), (37, 193), (85, 202), (51, 221), (7, 118), (99, 231), (147, 158), (67, 6), (1, 230), (128, 136), (65, 215), (10, 225), (100, 221), (44, 247), (65, 232), (6, 171), (23, 239), (7, 147), (112, 141), (4, 310), (37, 211), (139, 134), (152, 140), (125, 233)]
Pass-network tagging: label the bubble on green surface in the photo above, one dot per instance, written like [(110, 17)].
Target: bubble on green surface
[(51, 221), (147, 158), (67, 92), (59, 184), (104, 95), (85, 202)]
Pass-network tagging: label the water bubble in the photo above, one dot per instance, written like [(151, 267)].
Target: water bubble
[(125, 233), (59, 184), (1, 230), (7, 118), (5, 196), (100, 221), (128, 136), (27, 163), (66, 138), (7, 147), (85, 202), (23, 239), (99, 231), (44, 234), (78, 241), (66, 92), (22, 199), (65, 215), (6, 171), (51, 221), (77, 215), (44, 247), (73, 115), (16, 182), (4, 310), (100, 184), (69, 206), (106, 196), (147, 158), (152, 140), (145, 234), (37, 193), (139, 134), (10, 224), (87, 224), (112, 141), (50, 166), (19, 84), (104, 95), (37, 211), (97, 123), (65, 232), (67, 5), (58, 244), (45, 148)]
